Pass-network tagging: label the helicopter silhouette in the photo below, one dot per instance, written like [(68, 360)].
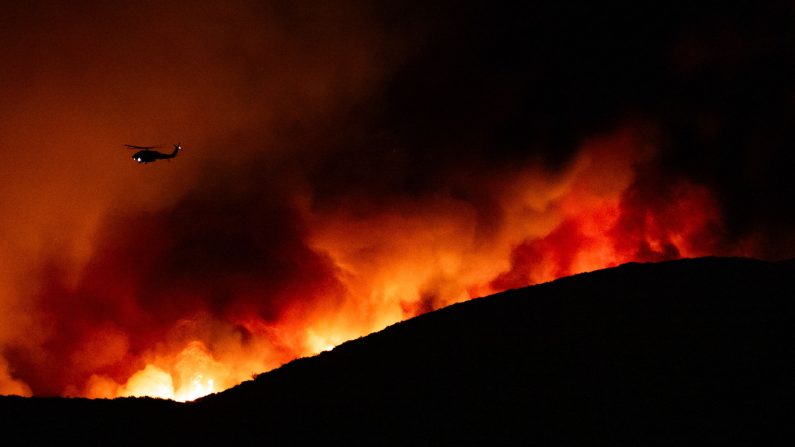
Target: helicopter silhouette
[(147, 154)]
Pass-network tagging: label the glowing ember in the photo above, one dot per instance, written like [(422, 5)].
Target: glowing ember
[(192, 374), (150, 381)]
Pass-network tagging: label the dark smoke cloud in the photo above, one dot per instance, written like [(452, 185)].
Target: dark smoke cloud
[(494, 86)]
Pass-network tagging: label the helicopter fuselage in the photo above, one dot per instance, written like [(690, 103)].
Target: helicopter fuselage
[(149, 156)]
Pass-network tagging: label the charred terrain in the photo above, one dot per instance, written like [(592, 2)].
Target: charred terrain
[(642, 354)]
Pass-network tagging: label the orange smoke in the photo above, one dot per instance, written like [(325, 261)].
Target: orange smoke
[(179, 309)]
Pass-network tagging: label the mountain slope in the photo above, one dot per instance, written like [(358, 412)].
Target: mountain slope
[(642, 354), (633, 355)]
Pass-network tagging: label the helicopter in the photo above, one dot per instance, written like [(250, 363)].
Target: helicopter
[(147, 154)]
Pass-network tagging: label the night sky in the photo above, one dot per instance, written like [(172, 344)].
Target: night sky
[(351, 164)]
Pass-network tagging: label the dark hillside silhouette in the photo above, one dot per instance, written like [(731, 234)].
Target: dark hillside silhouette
[(643, 354)]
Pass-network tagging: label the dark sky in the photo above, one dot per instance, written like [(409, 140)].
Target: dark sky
[(352, 164)]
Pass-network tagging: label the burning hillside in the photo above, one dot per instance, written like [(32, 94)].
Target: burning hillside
[(681, 351)]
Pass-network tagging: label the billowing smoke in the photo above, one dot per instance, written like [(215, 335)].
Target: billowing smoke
[(347, 167)]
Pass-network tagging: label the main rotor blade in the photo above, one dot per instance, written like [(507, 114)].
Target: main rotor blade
[(130, 146)]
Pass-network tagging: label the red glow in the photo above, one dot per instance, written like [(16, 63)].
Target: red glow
[(349, 165), (122, 329)]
